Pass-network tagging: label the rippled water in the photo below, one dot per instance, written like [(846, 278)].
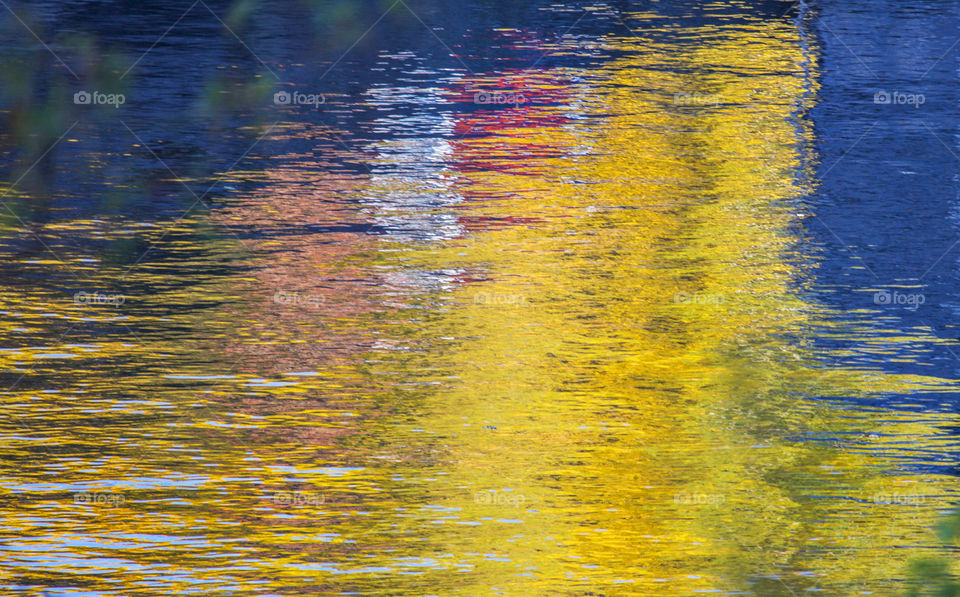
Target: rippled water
[(606, 299)]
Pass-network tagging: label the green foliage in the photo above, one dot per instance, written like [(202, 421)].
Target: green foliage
[(240, 14), (227, 93), (931, 576)]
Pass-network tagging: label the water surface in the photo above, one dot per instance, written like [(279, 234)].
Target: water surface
[(543, 299)]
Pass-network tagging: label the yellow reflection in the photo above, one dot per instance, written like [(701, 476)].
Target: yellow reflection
[(628, 353), (593, 374)]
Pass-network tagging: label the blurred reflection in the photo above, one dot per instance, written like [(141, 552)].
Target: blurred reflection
[(540, 325)]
